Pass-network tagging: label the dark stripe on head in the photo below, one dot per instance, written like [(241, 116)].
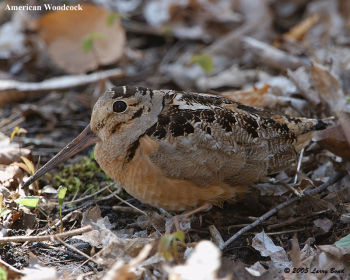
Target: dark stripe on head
[(123, 91), (137, 114)]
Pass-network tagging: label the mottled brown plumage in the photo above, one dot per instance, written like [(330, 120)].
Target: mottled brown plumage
[(178, 150)]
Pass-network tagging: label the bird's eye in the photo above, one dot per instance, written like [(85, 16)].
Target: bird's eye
[(120, 106)]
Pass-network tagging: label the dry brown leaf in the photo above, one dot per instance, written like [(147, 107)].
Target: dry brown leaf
[(330, 91), (9, 176), (65, 31), (334, 140), (203, 263), (132, 270), (12, 154), (327, 85), (264, 244), (325, 224), (253, 97), (298, 32), (344, 9)]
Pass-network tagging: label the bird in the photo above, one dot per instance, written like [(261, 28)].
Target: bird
[(178, 150)]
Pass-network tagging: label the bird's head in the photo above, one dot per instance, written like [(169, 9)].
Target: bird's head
[(124, 113), (118, 118)]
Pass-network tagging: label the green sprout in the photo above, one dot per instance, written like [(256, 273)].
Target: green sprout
[(168, 244), (61, 195), (205, 61), (88, 42)]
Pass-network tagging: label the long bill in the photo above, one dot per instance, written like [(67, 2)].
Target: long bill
[(85, 139)]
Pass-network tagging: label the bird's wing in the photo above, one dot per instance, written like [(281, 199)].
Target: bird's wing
[(203, 136)]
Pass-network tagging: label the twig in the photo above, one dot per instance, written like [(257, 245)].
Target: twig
[(125, 209), (127, 203), (299, 165), (60, 83), (10, 267), (216, 236), (45, 237), (12, 90), (88, 196), (274, 210), (288, 231), (271, 56), (294, 220), (89, 202), (75, 250)]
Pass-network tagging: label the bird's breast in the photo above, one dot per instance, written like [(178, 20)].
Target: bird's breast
[(144, 180)]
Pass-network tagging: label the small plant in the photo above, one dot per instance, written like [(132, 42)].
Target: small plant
[(205, 61), (168, 244), (17, 131), (82, 176), (61, 195), (3, 273), (112, 17), (28, 166), (88, 42)]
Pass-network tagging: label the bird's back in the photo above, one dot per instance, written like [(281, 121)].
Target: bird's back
[(206, 139)]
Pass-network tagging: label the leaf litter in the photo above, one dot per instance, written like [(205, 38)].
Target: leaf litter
[(287, 56)]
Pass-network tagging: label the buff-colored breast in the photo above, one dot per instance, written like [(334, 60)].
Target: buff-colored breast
[(142, 179)]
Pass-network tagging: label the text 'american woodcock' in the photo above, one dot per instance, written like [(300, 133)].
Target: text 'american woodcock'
[(178, 150)]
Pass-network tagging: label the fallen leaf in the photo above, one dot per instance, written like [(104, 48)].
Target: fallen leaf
[(324, 224), (253, 97), (115, 245), (66, 44), (12, 38), (256, 269), (202, 264), (29, 201), (327, 86), (11, 152), (132, 270), (264, 244), (298, 32), (334, 140), (331, 92), (10, 175)]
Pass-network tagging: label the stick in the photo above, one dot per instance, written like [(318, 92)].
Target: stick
[(45, 237), (274, 210), (10, 267), (13, 90), (271, 56)]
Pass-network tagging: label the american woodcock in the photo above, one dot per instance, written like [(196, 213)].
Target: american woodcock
[(179, 150)]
